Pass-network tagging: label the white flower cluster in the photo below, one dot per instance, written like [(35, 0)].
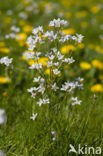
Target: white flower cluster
[(6, 60), (14, 31), (57, 23), (55, 62), (39, 35)]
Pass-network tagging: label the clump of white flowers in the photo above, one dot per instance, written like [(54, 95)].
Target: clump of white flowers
[(46, 86), (6, 61)]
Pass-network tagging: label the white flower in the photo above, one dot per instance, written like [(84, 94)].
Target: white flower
[(51, 36), (80, 79), (43, 101), (3, 117), (33, 116), (51, 57), (79, 38), (65, 38), (11, 35), (36, 66), (40, 102), (68, 86), (68, 60), (32, 89), (59, 55), (56, 64), (38, 79), (41, 89), (37, 30), (56, 71), (49, 64), (76, 102), (54, 87), (57, 23), (6, 60), (15, 29)]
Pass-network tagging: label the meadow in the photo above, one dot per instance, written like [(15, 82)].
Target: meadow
[(51, 77)]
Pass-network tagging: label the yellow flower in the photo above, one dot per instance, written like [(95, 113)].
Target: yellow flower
[(97, 88), (21, 38), (97, 64), (43, 61), (68, 31), (67, 48), (4, 80), (2, 44), (85, 65), (27, 28), (95, 9), (81, 14), (31, 62), (81, 45), (99, 49), (84, 24), (47, 71), (4, 50)]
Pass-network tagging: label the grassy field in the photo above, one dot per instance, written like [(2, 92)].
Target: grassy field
[(59, 122)]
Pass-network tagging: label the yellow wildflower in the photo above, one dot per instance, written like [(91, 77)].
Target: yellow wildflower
[(97, 88), (99, 49), (31, 62), (67, 48), (4, 80), (47, 71), (4, 50), (2, 44), (21, 38), (68, 31), (97, 64), (95, 9), (43, 61), (27, 29), (81, 45), (85, 65)]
